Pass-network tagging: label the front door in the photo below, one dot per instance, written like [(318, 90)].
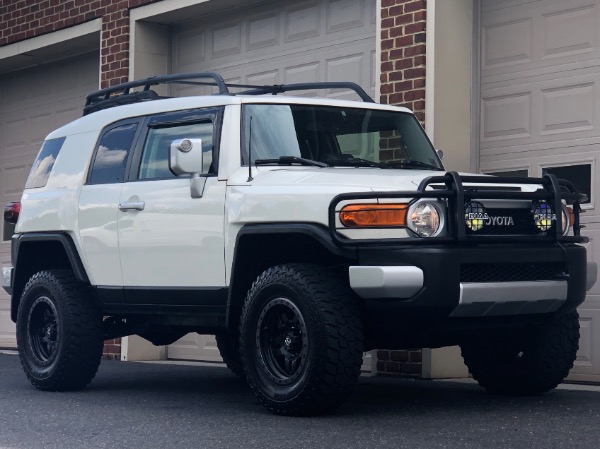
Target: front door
[(172, 245)]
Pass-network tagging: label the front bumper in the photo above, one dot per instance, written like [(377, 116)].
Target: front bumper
[(7, 277), (429, 283)]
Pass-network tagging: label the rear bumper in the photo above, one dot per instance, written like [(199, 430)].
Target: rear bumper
[(7, 279)]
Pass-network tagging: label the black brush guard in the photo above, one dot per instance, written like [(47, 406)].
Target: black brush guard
[(553, 191)]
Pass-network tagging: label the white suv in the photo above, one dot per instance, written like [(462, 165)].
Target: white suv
[(300, 231)]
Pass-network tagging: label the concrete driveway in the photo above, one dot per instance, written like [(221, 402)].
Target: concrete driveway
[(142, 405)]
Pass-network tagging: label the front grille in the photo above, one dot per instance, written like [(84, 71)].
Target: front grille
[(512, 272), (508, 222)]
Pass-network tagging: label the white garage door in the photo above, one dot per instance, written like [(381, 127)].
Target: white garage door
[(277, 43), (540, 111), (33, 102)]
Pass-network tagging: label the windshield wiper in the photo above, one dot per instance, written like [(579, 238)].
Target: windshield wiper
[(290, 160), (413, 164), (355, 162)]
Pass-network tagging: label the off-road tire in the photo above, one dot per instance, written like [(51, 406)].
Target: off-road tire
[(301, 339), (528, 362), (59, 332), (230, 353)]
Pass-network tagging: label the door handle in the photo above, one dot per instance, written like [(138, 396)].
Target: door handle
[(131, 205)]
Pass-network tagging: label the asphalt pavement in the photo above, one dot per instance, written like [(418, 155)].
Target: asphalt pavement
[(146, 405)]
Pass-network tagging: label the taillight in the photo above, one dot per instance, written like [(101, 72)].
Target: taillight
[(11, 212)]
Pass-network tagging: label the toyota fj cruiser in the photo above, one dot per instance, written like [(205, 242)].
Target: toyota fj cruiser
[(300, 231)]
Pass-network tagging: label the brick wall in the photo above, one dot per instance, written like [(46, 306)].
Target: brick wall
[(402, 84), (24, 19)]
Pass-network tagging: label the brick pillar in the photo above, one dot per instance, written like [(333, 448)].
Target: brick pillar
[(112, 349), (402, 84), (114, 52)]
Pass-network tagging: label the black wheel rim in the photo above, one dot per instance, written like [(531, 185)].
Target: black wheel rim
[(282, 341), (42, 330)]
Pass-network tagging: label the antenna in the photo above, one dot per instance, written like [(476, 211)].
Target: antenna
[(250, 178)]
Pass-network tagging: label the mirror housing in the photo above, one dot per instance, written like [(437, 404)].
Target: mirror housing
[(185, 156)]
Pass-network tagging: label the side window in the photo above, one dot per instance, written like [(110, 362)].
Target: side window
[(111, 155), (155, 156), (40, 171), (580, 175)]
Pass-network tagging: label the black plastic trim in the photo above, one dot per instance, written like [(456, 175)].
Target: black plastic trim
[(317, 231), (144, 300), (61, 237), (393, 321)]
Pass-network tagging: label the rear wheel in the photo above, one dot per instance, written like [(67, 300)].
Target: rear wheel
[(528, 362), (59, 332), (301, 339)]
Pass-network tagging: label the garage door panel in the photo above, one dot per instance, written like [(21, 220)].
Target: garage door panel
[(275, 43), (33, 102), (534, 110), (263, 31), (540, 108), (525, 36), (302, 22)]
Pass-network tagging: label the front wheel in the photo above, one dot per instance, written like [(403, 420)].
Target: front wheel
[(59, 332), (528, 362), (301, 339)]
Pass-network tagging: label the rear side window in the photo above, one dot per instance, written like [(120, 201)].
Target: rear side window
[(40, 171), (112, 154)]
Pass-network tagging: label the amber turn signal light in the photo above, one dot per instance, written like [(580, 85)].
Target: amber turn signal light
[(353, 215)]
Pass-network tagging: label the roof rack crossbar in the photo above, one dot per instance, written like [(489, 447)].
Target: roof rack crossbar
[(280, 88), (125, 88)]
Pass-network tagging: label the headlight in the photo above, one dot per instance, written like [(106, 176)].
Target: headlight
[(425, 218), (568, 217)]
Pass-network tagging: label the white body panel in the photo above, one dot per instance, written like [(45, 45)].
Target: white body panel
[(177, 240)]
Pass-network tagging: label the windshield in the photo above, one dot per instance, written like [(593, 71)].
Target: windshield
[(336, 136)]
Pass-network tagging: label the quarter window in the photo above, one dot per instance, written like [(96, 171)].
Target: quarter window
[(112, 154), (40, 171), (155, 157)]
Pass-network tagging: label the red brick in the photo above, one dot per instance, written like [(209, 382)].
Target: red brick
[(403, 86), (414, 73), (399, 356), (414, 5), (415, 50), (414, 95), (404, 41), (414, 28), (403, 19)]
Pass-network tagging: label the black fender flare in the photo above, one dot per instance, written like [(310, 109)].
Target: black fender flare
[(320, 233), (17, 242)]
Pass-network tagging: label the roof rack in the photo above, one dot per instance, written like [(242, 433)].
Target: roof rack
[(121, 93)]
